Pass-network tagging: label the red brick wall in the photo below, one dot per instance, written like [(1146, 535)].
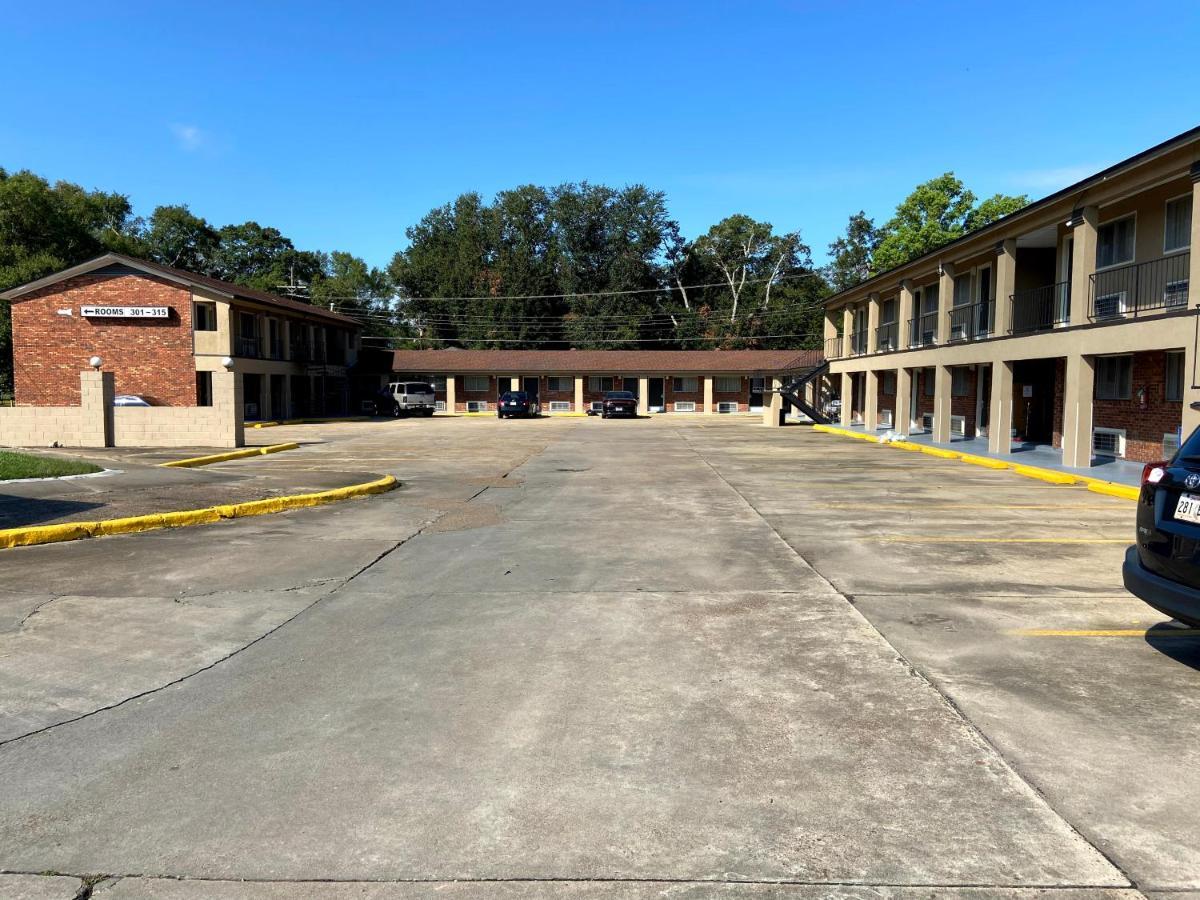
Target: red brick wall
[(149, 357), (1060, 382), (965, 406), (924, 404), (670, 396), (886, 399), (1144, 424), (463, 395), (741, 396)]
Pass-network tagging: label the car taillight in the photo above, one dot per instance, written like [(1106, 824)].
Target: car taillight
[(1153, 473)]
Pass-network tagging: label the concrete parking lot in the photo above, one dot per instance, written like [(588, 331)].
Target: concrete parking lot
[(687, 657)]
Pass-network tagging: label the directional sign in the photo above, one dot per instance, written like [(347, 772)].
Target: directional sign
[(125, 312)]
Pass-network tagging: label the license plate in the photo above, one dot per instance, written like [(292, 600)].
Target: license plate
[(1188, 508)]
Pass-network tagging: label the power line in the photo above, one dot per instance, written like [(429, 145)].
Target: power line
[(665, 289), (671, 339)]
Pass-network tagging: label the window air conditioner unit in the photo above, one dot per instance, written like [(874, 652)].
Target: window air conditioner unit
[(560, 406), (727, 407), (1176, 293), (1109, 442), (927, 421), (1111, 306), (476, 406), (885, 418), (439, 405), (685, 406)]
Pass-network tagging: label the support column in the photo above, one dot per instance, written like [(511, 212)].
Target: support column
[(847, 331), (229, 403), (1083, 264), (451, 395), (904, 314), (643, 396), (871, 401), (873, 323), (941, 405), (847, 398), (514, 383), (1000, 408), (773, 408), (1006, 284), (1078, 393), (708, 395), (96, 391), (945, 302), (1191, 375), (579, 407), (902, 415), (830, 331)]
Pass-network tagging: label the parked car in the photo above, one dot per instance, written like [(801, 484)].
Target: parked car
[(405, 398), (619, 403), (1163, 567), (129, 400), (517, 403)]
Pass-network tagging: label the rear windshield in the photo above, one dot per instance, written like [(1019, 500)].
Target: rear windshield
[(416, 387), (515, 395), (1191, 447), (619, 395)]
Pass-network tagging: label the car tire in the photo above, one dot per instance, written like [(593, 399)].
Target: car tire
[(396, 411)]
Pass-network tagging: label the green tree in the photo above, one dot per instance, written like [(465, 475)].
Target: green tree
[(851, 254), (45, 228), (175, 237), (934, 214)]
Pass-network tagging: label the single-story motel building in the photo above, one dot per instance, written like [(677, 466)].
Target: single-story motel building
[(1070, 324), (574, 381)]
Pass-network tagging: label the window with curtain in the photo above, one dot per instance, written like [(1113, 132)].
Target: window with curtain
[(1114, 377), (600, 383), (686, 385), (1177, 229), (959, 382), (1114, 243), (962, 290), (475, 383), (728, 384), (1174, 376), (560, 383)]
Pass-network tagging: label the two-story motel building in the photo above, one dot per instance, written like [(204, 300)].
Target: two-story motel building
[(1070, 323)]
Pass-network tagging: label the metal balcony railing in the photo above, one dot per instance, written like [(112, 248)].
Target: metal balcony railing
[(887, 337), (1154, 286), (923, 330), (972, 321), (250, 347), (1040, 309), (833, 347), (858, 342)]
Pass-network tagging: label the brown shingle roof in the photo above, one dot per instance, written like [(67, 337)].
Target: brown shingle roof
[(191, 278), (603, 362)]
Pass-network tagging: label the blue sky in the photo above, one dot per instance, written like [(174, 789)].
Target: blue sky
[(342, 124)]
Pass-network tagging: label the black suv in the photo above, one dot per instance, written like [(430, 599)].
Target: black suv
[(1163, 568), (516, 403)]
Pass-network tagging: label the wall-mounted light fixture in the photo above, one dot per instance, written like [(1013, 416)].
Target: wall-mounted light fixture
[(227, 362), (96, 362)]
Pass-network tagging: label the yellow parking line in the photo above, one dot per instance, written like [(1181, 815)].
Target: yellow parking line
[(1105, 632), (954, 539)]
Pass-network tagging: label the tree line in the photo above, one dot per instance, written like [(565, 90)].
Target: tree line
[(575, 265)]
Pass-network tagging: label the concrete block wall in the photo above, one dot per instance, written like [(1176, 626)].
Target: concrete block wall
[(96, 423)]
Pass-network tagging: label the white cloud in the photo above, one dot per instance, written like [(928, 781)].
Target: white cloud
[(190, 138)]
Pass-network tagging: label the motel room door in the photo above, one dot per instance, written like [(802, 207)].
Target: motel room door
[(656, 402), (530, 385), (757, 389)]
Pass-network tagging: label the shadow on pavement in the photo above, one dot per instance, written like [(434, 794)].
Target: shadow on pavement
[(1183, 648), (17, 512)]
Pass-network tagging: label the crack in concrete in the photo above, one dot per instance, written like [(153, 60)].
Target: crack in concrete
[(916, 672), (339, 584)]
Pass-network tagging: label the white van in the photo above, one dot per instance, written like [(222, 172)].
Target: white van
[(410, 398)]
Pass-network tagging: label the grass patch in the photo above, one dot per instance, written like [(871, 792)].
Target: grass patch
[(26, 465)]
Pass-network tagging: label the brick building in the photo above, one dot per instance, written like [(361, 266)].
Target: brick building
[(572, 381), (163, 333)]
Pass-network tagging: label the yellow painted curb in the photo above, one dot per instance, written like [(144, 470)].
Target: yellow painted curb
[(1050, 476), (1124, 491), (1047, 475), (986, 461), (317, 421), (195, 461), (73, 531)]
